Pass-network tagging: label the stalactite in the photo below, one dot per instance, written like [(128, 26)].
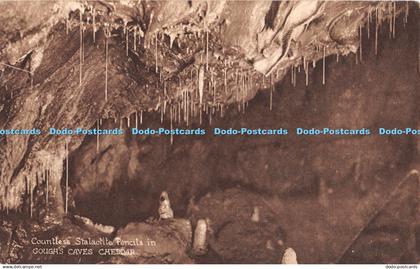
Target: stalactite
[(210, 118), (184, 104), (106, 64), (94, 25), (390, 20), (244, 94), (66, 150), (271, 99), (136, 120), (126, 39), (141, 116), (161, 109), (376, 31), (178, 112), (188, 108), (81, 50), (368, 24), (97, 138), (171, 122), (394, 17), (207, 48), (291, 75), (356, 54), (192, 106), (47, 180), (31, 203), (135, 38), (360, 42), (156, 53), (323, 66), (255, 217), (7, 201), (201, 84), (306, 70), (201, 115)]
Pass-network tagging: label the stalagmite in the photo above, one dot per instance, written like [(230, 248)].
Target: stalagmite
[(165, 210), (201, 84), (289, 257), (141, 116), (323, 67), (256, 214), (200, 238)]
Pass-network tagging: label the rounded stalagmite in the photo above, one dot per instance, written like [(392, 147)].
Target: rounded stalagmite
[(200, 238), (289, 257), (165, 210)]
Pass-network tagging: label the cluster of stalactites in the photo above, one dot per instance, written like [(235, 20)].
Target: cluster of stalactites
[(213, 81), (38, 184)]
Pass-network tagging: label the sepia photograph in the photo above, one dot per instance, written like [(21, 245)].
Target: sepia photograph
[(209, 132)]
